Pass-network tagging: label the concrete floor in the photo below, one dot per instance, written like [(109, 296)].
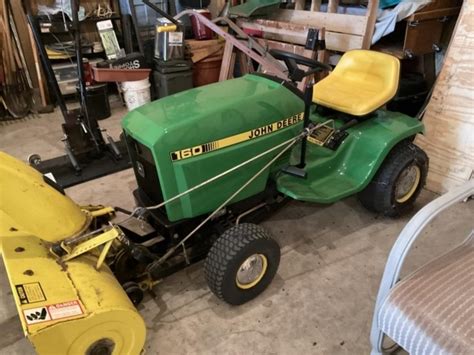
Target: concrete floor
[(320, 302)]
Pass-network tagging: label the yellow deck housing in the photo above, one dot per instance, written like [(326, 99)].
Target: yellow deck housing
[(34, 205), (68, 308)]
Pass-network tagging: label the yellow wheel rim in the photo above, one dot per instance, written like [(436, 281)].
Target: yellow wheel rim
[(251, 271), (407, 183)]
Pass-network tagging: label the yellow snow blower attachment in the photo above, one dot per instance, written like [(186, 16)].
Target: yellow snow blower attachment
[(68, 300)]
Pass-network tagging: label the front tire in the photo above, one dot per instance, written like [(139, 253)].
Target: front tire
[(398, 182), (241, 263)]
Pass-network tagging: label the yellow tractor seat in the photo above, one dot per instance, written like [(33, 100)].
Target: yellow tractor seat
[(362, 82)]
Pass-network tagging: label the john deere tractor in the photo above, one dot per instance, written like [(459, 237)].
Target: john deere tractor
[(210, 163)]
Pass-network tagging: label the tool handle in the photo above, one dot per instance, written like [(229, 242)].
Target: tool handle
[(162, 13)]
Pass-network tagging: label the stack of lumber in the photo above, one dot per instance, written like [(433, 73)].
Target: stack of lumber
[(208, 50), (343, 31), (449, 117), (206, 56)]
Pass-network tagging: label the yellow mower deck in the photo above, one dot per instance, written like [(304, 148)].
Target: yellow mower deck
[(67, 307)]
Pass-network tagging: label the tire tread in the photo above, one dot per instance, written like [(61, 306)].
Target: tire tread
[(225, 249), (377, 196)]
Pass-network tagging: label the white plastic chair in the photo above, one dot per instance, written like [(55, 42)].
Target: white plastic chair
[(421, 342)]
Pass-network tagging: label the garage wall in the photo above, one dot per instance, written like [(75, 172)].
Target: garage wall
[(449, 117)]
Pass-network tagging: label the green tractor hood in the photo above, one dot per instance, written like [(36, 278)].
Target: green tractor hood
[(184, 139)]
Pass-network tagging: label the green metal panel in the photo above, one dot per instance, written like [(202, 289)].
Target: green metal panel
[(207, 114), (254, 8), (333, 175)]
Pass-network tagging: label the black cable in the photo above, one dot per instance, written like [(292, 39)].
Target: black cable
[(123, 210)]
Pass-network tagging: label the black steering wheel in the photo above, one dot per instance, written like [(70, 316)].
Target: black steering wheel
[(292, 60)]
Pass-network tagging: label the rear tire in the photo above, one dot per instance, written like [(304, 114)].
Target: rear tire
[(398, 182), (241, 263)]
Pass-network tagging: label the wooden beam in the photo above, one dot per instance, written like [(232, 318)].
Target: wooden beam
[(299, 4), (22, 28), (277, 30), (244, 64), (449, 119), (323, 55), (315, 5), (297, 34), (343, 42), (42, 84), (371, 17), (233, 58), (332, 6), (226, 68), (205, 52), (342, 23), (193, 44), (293, 48)]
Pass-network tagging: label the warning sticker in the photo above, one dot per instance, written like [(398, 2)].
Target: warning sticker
[(30, 293), (52, 312), (65, 310)]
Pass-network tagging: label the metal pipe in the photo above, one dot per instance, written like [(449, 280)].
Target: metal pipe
[(246, 213), (308, 99)]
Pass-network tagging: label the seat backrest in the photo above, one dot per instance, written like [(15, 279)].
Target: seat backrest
[(382, 68)]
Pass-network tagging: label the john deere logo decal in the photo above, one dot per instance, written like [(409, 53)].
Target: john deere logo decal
[(238, 138), (36, 315)]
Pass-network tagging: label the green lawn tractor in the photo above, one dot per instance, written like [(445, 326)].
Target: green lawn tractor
[(213, 161), (210, 163)]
